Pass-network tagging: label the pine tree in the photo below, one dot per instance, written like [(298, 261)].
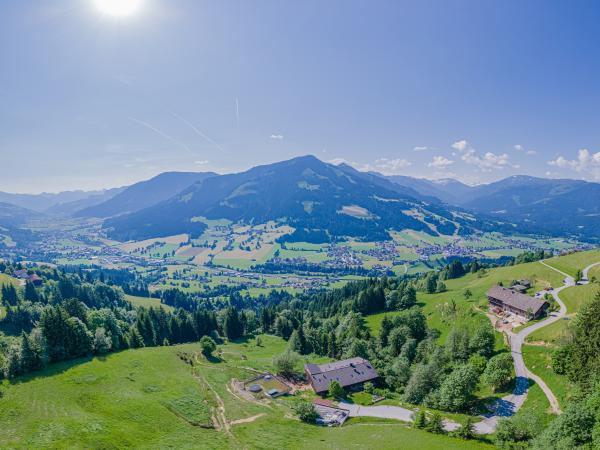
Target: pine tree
[(420, 419), (30, 292), (31, 357)]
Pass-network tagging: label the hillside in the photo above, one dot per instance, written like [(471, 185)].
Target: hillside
[(13, 216), (70, 207), (144, 194), (558, 207), (149, 398), (42, 202), (322, 201)]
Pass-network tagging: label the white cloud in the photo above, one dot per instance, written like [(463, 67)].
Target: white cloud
[(392, 166), (461, 146), (487, 162), (587, 163), (383, 165), (420, 148), (278, 137), (440, 162), (201, 163), (520, 148)]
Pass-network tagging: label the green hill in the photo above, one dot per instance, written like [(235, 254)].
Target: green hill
[(150, 398)]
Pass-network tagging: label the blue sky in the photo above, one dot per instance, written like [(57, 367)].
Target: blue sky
[(476, 90)]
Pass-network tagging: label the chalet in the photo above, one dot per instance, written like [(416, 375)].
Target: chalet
[(350, 373), (516, 303)]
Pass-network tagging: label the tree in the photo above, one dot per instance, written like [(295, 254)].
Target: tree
[(207, 346), (483, 340), (498, 371), (31, 294), (305, 411), (467, 430), (398, 373), (458, 387), (285, 364), (422, 381), (516, 432), (297, 342), (420, 419), (578, 276), (102, 341), (436, 424), (232, 324), (369, 388), (31, 355), (336, 390)]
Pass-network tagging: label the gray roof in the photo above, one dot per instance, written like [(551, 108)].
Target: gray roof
[(519, 301), (347, 372)]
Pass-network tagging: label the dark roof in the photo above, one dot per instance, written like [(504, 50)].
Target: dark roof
[(347, 372), (519, 301)]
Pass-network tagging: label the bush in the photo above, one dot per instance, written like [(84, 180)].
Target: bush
[(207, 346), (436, 424), (336, 390), (369, 388), (285, 364), (420, 420), (305, 411)]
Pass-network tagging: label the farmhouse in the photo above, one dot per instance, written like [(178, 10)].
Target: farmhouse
[(516, 303), (350, 373)]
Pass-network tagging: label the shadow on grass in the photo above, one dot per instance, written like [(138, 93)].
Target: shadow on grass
[(495, 405)]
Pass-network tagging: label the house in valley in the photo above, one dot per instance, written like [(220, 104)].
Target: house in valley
[(522, 305), (350, 373)]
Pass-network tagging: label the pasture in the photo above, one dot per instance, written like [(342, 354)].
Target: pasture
[(152, 398)]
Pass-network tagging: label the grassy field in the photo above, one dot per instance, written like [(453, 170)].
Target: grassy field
[(150, 398), (574, 297), (146, 302), (539, 360), (7, 279), (571, 263), (468, 311)]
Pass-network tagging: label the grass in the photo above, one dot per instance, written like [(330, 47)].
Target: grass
[(438, 307), (574, 297), (571, 263), (150, 398), (146, 302), (538, 359)]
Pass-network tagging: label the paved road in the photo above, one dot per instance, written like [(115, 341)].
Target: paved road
[(508, 405)]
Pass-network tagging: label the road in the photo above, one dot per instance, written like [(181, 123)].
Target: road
[(508, 405)]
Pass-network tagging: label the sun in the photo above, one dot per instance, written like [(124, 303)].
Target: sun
[(119, 8)]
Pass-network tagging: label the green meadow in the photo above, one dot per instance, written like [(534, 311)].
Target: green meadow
[(152, 398)]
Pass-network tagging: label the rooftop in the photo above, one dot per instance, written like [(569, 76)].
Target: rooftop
[(519, 301), (347, 372)]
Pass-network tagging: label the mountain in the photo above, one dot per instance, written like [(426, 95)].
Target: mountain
[(12, 216), (44, 201), (540, 205), (144, 194), (323, 202), (70, 208), (447, 190)]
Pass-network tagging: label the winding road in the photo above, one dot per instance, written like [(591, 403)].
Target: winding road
[(508, 405)]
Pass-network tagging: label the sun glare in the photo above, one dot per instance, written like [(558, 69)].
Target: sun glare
[(119, 8)]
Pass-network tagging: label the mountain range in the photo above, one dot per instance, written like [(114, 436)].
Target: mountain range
[(321, 201), (324, 202)]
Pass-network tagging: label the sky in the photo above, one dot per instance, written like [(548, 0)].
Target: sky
[(473, 90)]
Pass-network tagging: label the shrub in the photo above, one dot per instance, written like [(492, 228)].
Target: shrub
[(305, 411), (207, 346)]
